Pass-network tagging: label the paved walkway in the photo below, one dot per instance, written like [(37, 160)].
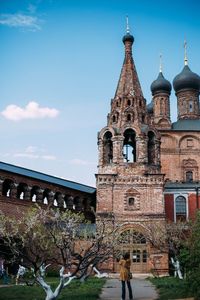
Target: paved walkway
[(142, 289)]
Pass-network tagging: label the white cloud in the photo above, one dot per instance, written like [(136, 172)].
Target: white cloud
[(31, 111), (18, 20), (33, 152), (27, 155)]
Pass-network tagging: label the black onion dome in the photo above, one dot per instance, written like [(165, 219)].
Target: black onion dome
[(128, 38), (160, 85), (186, 80)]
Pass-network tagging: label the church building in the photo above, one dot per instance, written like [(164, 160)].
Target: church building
[(148, 170)]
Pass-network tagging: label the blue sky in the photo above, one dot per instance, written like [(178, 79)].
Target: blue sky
[(59, 66)]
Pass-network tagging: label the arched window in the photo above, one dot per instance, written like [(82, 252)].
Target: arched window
[(129, 117), (46, 195), (129, 148), (189, 176), (151, 148), (69, 200), (107, 148), (77, 204), (34, 193), (129, 102), (131, 201), (114, 119), (58, 201), (132, 237), (21, 190), (190, 106), (180, 208), (7, 187)]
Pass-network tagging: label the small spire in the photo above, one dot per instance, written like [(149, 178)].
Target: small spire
[(185, 53), (160, 68), (127, 25)]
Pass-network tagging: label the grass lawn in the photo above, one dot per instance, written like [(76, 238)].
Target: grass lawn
[(170, 288), (89, 290)]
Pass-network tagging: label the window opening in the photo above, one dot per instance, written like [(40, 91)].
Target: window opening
[(131, 201), (144, 256), (191, 106), (151, 148), (108, 147), (129, 117), (7, 187), (189, 176), (180, 208), (136, 256)]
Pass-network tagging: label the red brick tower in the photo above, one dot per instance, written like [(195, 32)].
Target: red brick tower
[(129, 182)]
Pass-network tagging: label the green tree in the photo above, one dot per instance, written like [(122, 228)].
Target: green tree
[(190, 256), (61, 238)]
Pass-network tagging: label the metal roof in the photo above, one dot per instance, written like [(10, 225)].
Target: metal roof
[(182, 185), (186, 125), (47, 178)]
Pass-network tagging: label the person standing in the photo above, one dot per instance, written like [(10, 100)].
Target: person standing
[(125, 264)]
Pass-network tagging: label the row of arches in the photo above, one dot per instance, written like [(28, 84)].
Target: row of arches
[(129, 151), (131, 101), (129, 116), (22, 191)]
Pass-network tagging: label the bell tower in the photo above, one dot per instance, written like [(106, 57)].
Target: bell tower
[(129, 180)]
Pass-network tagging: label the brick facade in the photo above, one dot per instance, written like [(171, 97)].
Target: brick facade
[(148, 170), (19, 191)]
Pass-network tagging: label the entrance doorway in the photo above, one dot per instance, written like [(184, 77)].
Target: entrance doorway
[(135, 244)]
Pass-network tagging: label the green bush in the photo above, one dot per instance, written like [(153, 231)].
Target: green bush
[(171, 288)]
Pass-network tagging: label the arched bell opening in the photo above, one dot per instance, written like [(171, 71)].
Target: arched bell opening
[(151, 148), (107, 148), (129, 146)]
